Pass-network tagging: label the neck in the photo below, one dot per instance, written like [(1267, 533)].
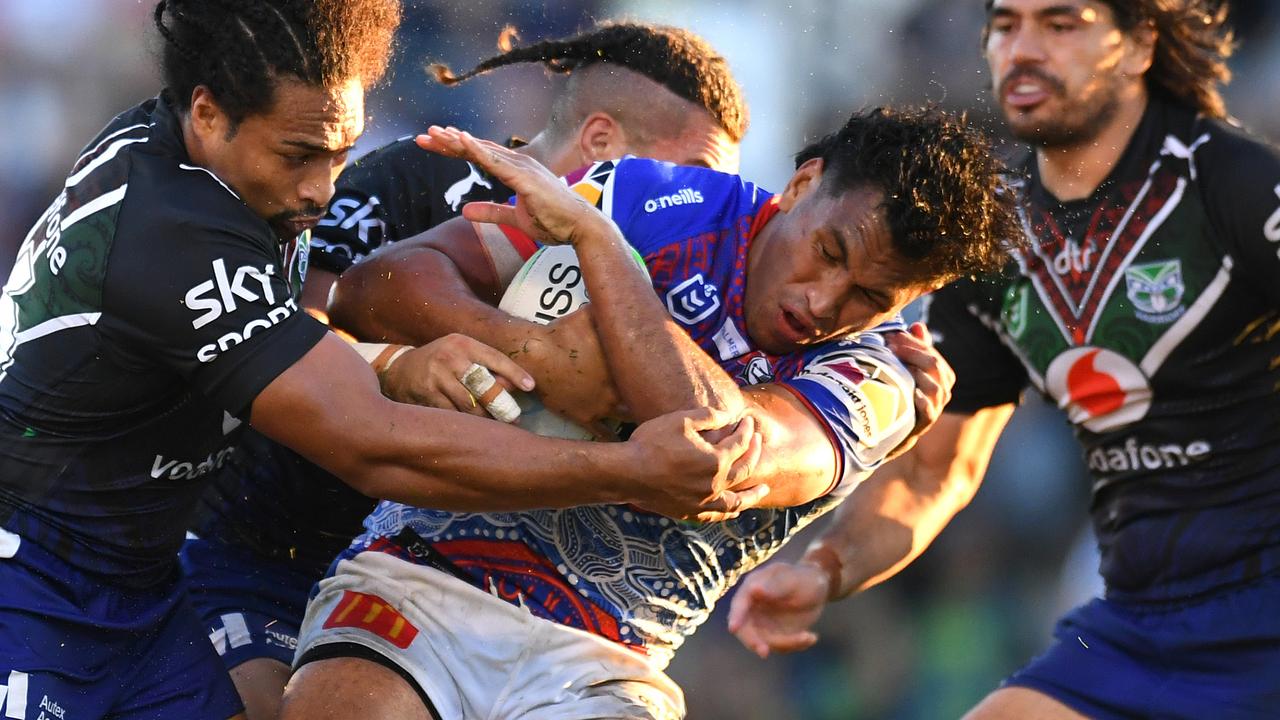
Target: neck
[(1073, 172), (195, 151), (558, 159)]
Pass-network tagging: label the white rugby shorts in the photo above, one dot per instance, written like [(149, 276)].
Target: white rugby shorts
[(478, 657)]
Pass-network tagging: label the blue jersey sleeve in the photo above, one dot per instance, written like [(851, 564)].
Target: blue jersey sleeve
[(864, 395), (654, 203)]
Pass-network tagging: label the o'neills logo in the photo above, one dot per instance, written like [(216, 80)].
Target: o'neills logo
[(683, 196), (1132, 456)]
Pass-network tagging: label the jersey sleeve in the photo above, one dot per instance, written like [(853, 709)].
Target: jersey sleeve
[(380, 198), (655, 202), (210, 303), (864, 396), (987, 371), (1240, 182)]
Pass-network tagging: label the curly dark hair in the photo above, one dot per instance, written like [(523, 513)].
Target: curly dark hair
[(673, 57), (1193, 43), (238, 48), (947, 201)]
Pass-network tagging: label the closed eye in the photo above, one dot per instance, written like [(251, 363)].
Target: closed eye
[(878, 300), (826, 254), (293, 160)]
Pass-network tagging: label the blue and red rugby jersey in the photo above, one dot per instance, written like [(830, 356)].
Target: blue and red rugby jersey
[(625, 574)]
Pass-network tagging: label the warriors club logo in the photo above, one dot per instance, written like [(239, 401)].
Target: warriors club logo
[(1156, 291), (1098, 388)]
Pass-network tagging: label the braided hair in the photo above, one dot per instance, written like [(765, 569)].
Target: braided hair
[(675, 58), (946, 201), (239, 48)]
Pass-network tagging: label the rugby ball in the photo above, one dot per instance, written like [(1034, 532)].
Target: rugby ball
[(549, 286)]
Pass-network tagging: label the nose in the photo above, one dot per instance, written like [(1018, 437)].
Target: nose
[(317, 187), (824, 300), (1026, 45)]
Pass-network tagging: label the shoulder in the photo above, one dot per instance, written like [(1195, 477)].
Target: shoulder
[(676, 197), (863, 392), (168, 200), (1227, 150), (402, 158)]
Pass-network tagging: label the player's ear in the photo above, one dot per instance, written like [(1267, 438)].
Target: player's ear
[(1141, 50), (601, 137), (208, 121), (805, 180)]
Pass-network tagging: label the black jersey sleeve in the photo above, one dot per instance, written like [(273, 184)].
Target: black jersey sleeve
[(196, 287), (387, 195), (392, 193), (369, 206), (1240, 182), (987, 371)]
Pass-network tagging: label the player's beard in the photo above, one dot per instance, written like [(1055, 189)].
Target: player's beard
[(281, 222), (1078, 119)]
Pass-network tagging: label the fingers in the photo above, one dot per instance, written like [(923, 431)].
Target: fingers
[(460, 398), (501, 162), (744, 467), (754, 621), (740, 606), (706, 418), (500, 365), (792, 642), (916, 354), (750, 638), (751, 497), (933, 376), (738, 440), (731, 503), (490, 213), (927, 393)]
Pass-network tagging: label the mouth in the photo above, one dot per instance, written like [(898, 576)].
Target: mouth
[(795, 327), (1025, 96), (299, 225), (1026, 91)]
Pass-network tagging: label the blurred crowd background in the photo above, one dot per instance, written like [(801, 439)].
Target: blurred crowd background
[(930, 642)]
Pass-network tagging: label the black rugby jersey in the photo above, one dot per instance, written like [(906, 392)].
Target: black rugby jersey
[(1150, 312), (266, 497), (395, 192), (146, 310)]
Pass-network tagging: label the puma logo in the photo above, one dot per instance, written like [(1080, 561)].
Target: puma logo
[(460, 189)]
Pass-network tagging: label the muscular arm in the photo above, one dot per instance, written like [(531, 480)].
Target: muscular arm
[(315, 289), (328, 407), (425, 287), (886, 522), (674, 373), (440, 282), (800, 462), (894, 515)]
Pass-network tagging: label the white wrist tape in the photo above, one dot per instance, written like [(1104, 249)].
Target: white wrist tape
[(380, 355)]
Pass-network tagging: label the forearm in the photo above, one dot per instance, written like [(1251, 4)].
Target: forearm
[(893, 516), (886, 523), (672, 372), (462, 463), (414, 296), (425, 456)]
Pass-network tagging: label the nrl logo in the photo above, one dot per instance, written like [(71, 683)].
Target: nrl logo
[(1156, 290)]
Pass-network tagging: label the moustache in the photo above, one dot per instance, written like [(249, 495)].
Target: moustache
[(1019, 74), (306, 212)]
